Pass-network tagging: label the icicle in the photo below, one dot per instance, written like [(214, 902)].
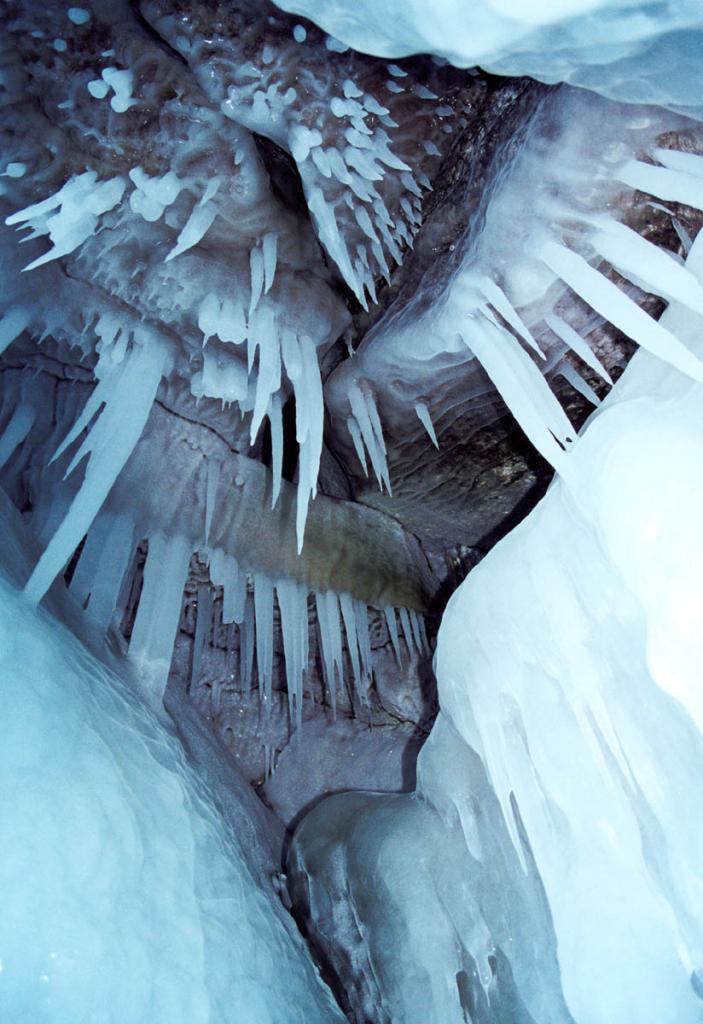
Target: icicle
[(385, 154), (522, 387), (236, 591), (86, 568), (293, 604), (14, 321), (337, 166), (409, 183), (203, 625), (423, 414), (355, 433), (607, 299), (328, 233), (269, 246), (363, 639), (363, 409), (684, 237), (246, 645), (360, 188), (502, 304), (310, 414), (577, 344), (110, 571), (307, 472), (577, 382), (195, 228), (81, 202), (407, 630), (381, 260), (16, 431), (673, 185), (213, 478), (331, 642), (276, 421), (302, 139), (689, 163), (217, 565), (263, 606), (410, 213), (390, 241), (346, 602), (364, 222), (159, 612), (364, 163), (370, 286), (378, 433), (209, 316), (128, 396), (256, 265), (415, 627), (211, 190), (231, 324), (231, 648), (268, 379), (423, 634), (401, 232), (351, 89), (389, 613), (638, 259)]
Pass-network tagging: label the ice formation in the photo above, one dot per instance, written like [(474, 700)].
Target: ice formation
[(602, 798), (199, 314), (261, 294), (625, 49), (128, 897), (568, 668)]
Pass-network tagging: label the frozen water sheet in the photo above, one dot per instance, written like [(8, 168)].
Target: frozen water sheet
[(126, 897)]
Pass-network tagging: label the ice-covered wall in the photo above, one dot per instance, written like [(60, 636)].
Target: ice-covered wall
[(629, 50), (126, 896)]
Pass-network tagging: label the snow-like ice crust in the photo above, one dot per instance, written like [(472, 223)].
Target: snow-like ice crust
[(126, 898), (570, 661), (621, 48)]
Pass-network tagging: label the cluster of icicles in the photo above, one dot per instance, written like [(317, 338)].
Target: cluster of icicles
[(357, 169), (517, 377), (476, 312), (108, 585), (248, 606), (133, 361)]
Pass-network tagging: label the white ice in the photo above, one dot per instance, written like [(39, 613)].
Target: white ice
[(126, 394), (570, 661), (127, 897)]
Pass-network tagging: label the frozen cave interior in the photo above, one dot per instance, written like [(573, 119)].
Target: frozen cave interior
[(351, 475)]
